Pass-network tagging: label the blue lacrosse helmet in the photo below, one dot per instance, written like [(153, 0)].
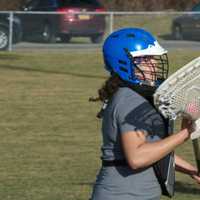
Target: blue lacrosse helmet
[(123, 46)]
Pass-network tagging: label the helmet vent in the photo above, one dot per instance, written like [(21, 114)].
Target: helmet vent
[(131, 35), (122, 62), (123, 69), (115, 36)]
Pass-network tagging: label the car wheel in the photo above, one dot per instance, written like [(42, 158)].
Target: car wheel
[(96, 38), (65, 38), (4, 38), (48, 35), (177, 33)]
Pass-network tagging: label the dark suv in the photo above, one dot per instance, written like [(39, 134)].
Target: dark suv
[(66, 23), (188, 25)]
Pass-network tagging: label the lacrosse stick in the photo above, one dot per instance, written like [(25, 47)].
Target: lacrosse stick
[(179, 95)]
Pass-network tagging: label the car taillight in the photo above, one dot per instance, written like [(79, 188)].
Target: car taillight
[(100, 10), (68, 14)]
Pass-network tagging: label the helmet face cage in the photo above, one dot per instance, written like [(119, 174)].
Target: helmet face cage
[(151, 70)]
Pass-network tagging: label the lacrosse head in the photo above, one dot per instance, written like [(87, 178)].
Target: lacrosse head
[(180, 93)]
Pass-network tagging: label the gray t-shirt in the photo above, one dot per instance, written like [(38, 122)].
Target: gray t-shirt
[(128, 111)]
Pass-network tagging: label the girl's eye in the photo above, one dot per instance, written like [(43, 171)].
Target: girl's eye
[(138, 60)]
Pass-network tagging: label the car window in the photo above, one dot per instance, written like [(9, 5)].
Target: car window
[(63, 3), (196, 8), (31, 4), (48, 3)]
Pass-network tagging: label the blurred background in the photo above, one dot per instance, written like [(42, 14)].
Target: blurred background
[(50, 65), (35, 23), (121, 5)]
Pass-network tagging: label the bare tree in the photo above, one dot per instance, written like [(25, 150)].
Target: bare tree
[(148, 5), (10, 4), (121, 5)]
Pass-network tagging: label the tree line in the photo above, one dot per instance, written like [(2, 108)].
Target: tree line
[(122, 5), (149, 5)]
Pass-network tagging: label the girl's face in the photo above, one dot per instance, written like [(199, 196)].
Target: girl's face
[(147, 67)]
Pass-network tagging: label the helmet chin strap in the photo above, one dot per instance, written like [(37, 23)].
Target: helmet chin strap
[(148, 83), (144, 90)]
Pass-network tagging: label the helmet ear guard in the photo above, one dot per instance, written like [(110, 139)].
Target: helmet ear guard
[(123, 67)]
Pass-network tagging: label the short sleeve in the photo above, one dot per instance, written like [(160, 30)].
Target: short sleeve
[(132, 115)]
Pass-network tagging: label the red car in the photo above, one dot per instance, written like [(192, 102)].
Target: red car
[(66, 23)]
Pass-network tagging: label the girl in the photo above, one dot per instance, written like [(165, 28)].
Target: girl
[(138, 162)]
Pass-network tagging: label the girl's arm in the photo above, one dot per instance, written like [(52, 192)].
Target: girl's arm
[(140, 153), (186, 168)]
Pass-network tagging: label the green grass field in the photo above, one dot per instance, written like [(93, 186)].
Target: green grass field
[(49, 135)]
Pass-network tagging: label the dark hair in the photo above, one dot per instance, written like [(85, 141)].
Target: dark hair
[(108, 89), (106, 92)]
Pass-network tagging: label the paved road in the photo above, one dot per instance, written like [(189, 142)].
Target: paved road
[(173, 44), (170, 44)]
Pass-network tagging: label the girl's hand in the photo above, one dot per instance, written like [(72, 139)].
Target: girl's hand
[(196, 177), (187, 124)]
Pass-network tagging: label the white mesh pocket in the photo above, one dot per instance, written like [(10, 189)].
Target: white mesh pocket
[(180, 93)]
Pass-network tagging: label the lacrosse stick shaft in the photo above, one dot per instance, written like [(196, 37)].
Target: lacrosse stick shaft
[(196, 148)]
